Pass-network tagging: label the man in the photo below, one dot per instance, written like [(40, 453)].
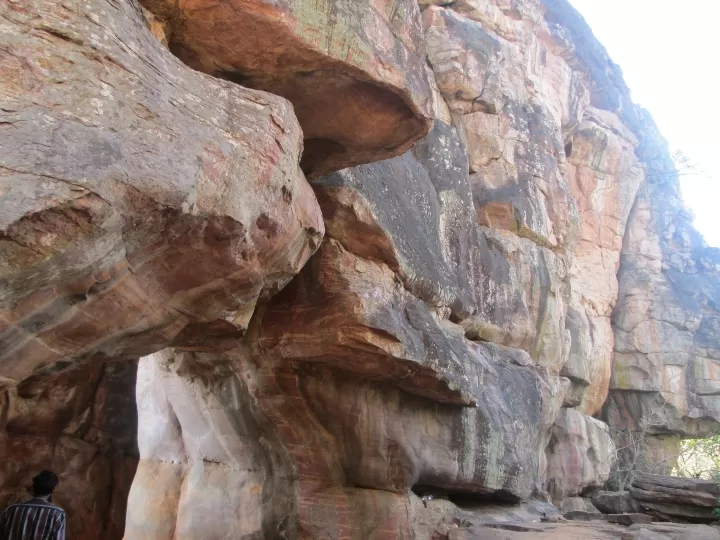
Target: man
[(36, 519)]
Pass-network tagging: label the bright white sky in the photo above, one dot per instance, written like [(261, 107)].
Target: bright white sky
[(669, 52)]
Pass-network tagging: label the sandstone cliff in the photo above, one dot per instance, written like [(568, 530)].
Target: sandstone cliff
[(368, 254)]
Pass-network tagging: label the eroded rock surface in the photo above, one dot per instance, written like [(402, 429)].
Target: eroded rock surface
[(664, 382), (259, 463), (354, 71), (615, 502), (482, 179), (144, 204), (580, 455), (681, 498)]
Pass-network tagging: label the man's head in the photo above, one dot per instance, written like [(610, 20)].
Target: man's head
[(44, 483)]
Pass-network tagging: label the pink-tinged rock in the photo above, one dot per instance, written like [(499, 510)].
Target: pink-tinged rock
[(514, 140), (349, 312), (240, 441), (354, 71), (201, 471), (666, 322), (143, 203), (487, 54), (604, 175), (580, 455)]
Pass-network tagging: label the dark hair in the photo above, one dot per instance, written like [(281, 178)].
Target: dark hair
[(44, 483)]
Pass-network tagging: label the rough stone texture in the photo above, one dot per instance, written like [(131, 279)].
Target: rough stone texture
[(578, 504), (354, 71), (667, 343), (591, 531), (144, 204), (545, 164), (672, 531), (293, 449), (645, 534), (582, 515), (605, 175), (615, 502), (701, 532), (201, 459), (446, 348), (415, 214), (685, 498), (628, 519), (580, 455), (83, 424)]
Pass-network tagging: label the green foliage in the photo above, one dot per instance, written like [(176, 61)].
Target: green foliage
[(699, 458), (716, 510)]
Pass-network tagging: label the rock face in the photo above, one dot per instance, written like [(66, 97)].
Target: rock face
[(144, 204), (261, 446), (354, 71), (664, 383), (504, 245)]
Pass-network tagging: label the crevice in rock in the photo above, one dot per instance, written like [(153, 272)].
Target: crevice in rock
[(574, 379), (466, 499)]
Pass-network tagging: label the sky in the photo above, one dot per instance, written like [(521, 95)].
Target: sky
[(669, 53)]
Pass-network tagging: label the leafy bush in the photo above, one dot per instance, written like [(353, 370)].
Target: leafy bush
[(699, 458)]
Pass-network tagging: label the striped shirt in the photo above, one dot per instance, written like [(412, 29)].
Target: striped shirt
[(36, 519)]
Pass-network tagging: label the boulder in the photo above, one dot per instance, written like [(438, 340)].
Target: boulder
[(143, 203), (615, 502), (581, 504), (580, 455)]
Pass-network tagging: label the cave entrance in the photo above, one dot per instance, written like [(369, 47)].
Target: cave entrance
[(467, 499), (82, 424)]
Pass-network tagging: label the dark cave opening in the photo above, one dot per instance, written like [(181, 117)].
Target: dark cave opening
[(467, 499)]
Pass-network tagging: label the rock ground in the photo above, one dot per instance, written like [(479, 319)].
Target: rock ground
[(591, 531)]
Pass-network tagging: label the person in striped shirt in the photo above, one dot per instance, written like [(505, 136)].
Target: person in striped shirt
[(37, 519)]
